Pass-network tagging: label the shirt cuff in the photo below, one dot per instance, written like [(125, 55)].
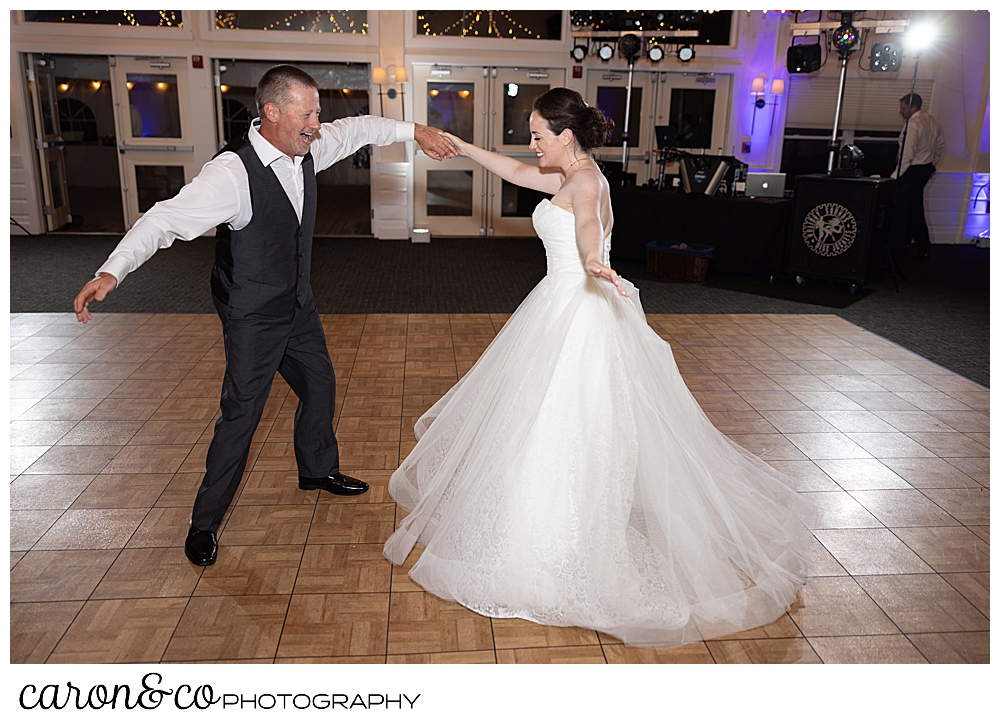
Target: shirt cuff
[(404, 131), (116, 267)]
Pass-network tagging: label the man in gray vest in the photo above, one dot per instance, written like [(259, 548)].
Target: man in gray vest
[(260, 194)]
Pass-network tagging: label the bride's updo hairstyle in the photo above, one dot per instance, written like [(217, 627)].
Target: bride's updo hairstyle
[(563, 108)]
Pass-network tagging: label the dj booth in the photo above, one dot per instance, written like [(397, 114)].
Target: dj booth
[(750, 235)]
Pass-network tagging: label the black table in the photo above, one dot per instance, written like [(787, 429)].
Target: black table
[(750, 236)]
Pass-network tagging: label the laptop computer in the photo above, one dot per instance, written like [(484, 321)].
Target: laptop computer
[(766, 185)]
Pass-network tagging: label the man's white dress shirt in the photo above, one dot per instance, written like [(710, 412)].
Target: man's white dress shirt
[(924, 142), (220, 193)]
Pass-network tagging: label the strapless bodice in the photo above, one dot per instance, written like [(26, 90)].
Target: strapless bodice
[(555, 227)]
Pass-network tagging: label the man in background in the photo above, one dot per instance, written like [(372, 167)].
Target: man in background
[(921, 145)]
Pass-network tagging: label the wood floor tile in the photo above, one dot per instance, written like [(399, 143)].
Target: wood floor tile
[(899, 508), (947, 550), (120, 408), (515, 633), (930, 473), (954, 648), (335, 624), (422, 623), (228, 627), (838, 606), (872, 551), (52, 492), (119, 631), (975, 587), (445, 657), (763, 651), (163, 528), (863, 474), (557, 655), (838, 509), (251, 571), (923, 604), (180, 491), (360, 523), (257, 525), (969, 506), (169, 432), (36, 628), (148, 573), (28, 526), (115, 490), (346, 568), (74, 459), (91, 529), (369, 455), (888, 649), (58, 575), (39, 432), (274, 487), (694, 653)]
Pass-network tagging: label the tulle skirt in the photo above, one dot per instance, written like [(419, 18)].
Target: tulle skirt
[(571, 479)]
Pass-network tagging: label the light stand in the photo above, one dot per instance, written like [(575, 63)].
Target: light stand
[(631, 48), (845, 40)]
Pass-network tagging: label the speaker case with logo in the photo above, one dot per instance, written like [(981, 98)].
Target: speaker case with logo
[(840, 229)]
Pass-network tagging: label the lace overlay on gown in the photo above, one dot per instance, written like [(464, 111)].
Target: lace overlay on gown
[(571, 479)]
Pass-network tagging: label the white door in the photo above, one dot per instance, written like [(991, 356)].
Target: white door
[(450, 196), (49, 141), (156, 150), (609, 90), (512, 91)]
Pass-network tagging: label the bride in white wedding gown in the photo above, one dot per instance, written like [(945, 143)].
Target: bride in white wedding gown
[(570, 478)]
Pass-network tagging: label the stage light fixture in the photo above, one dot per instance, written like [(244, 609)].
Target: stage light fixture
[(803, 58), (606, 52), (630, 47), (845, 39), (886, 57), (578, 53), (655, 53), (685, 54)]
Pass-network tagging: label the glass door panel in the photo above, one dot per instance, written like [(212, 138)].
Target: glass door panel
[(156, 150), (449, 195), (49, 141), (513, 91)]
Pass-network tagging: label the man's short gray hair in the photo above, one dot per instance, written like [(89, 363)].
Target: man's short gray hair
[(276, 83)]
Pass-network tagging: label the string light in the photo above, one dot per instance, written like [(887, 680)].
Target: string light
[(482, 23), (319, 21)]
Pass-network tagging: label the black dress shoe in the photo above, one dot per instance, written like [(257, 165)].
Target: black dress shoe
[(338, 484), (201, 547)]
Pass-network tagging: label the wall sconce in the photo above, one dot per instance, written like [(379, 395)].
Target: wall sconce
[(95, 84), (757, 90), (394, 74)]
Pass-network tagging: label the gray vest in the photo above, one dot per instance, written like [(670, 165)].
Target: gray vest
[(264, 267)]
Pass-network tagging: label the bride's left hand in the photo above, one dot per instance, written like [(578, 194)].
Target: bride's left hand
[(608, 274)]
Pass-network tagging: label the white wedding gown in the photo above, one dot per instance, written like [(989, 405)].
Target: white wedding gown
[(571, 479)]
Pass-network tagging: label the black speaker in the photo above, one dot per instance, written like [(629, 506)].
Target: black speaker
[(840, 228), (803, 58)]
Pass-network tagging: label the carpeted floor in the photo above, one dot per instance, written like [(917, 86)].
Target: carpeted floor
[(940, 312)]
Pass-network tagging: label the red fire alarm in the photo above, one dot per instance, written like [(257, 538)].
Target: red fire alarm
[(197, 62), (577, 71)]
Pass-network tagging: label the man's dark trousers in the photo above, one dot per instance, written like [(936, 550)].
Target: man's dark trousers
[(908, 221), (260, 287)]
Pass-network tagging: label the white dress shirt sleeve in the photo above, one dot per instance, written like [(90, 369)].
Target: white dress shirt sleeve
[(341, 138), (215, 196)]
